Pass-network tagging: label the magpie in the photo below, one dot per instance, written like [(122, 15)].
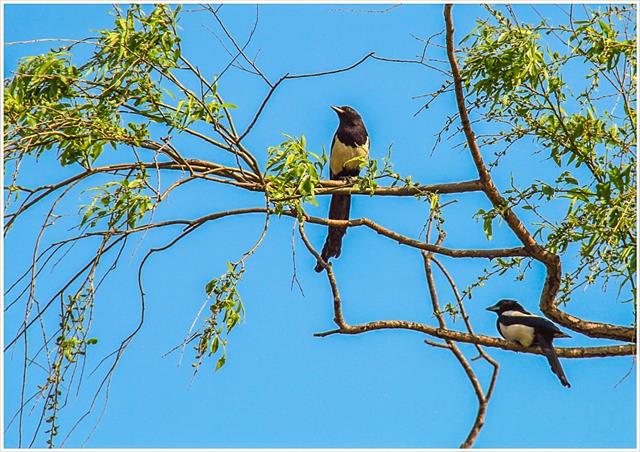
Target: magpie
[(349, 149), (518, 325)]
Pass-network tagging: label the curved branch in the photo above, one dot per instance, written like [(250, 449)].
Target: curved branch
[(337, 301), (288, 76), (332, 71), (190, 225), (404, 240)]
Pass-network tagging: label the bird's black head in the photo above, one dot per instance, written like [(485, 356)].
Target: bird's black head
[(506, 305), (347, 115)]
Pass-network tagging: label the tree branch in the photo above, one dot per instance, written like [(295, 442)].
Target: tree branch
[(488, 341), (339, 187), (453, 347), (337, 301), (404, 240)]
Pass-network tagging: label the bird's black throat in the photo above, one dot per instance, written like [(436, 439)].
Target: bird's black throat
[(352, 133)]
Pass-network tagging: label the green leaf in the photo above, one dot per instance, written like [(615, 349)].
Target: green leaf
[(487, 226)]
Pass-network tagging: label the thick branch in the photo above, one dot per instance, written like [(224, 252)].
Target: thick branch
[(485, 178)]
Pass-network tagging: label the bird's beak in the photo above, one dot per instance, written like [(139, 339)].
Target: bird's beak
[(337, 109), (493, 308)]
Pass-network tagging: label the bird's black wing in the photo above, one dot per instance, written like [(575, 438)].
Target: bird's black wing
[(538, 323), (498, 327), (546, 345)]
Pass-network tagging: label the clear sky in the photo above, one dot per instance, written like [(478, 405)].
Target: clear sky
[(282, 387)]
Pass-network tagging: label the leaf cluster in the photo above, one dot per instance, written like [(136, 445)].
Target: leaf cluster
[(70, 344), (225, 313), (53, 103), (120, 202), (293, 173)]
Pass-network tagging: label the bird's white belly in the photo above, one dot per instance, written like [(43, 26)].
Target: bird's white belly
[(518, 333), (348, 158)]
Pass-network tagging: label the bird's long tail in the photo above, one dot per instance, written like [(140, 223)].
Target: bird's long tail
[(338, 210), (547, 347)]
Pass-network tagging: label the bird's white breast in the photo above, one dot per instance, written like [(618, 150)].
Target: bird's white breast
[(517, 333), (349, 158)]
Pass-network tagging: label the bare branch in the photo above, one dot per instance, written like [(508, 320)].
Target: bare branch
[(337, 301), (288, 76), (41, 40), (235, 44), (483, 400), (404, 240)]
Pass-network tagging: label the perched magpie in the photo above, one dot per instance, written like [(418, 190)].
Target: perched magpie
[(518, 325), (349, 148)]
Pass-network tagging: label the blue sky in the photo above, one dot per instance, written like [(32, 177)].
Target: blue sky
[(281, 386)]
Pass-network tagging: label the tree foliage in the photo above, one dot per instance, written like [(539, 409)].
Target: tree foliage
[(522, 77)]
